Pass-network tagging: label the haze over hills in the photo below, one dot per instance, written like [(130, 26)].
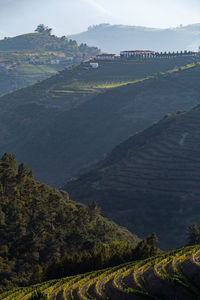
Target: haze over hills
[(112, 38), (80, 120), (150, 181)]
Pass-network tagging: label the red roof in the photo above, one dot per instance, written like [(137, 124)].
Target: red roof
[(106, 54), (138, 51)]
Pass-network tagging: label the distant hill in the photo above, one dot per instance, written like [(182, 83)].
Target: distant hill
[(28, 58), (82, 114), (38, 223), (45, 42), (115, 38), (151, 180)]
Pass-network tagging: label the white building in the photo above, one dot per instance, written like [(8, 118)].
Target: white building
[(94, 65), (137, 53), (105, 56)]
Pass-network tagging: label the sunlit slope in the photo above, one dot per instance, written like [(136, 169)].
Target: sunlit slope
[(63, 124), (174, 275), (150, 181), (24, 75)]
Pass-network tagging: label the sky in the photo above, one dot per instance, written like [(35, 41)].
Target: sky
[(73, 16)]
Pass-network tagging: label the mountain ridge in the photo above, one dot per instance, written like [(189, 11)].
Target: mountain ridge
[(107, 37)]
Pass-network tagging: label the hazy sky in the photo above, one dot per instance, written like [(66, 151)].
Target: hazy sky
[(73, 16)]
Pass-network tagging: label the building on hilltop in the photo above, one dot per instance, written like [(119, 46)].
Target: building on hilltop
[(105, 56), (137, 53), (142, 54)]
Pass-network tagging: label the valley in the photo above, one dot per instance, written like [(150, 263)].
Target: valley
[(99, 150)]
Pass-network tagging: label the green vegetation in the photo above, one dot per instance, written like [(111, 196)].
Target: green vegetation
[(45, 41), (150, 182), (172, 275), (25, 59), (39, 225), (83, 113)]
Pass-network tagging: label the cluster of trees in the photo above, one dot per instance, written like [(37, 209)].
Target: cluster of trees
[(43, 29), (38, 222), (99, 257), (64, 44), (45, 41)]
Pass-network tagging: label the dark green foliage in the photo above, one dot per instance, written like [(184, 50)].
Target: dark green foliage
[(94, 210), (146, 248), (103, 256), (42, 40), (38, 222), (24, 171), (43, 29), (193, 233), (35, 56), (38, 295)]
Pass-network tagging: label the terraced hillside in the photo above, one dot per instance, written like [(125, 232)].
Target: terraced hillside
[(174, 275), (150, 181), (81, 114)]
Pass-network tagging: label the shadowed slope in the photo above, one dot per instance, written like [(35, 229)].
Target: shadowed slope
[(151, 181), (82, 123)]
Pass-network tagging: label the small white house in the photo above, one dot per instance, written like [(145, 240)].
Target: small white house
[(94, 65)]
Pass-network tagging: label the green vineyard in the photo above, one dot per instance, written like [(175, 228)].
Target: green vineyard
[(173, 275)]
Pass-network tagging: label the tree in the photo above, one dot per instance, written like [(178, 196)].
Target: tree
[(94, 210), (23, 171), (43, 29), (193, 233), (152, 239)]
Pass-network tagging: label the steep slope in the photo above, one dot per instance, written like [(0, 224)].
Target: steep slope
[(174, 275), (151, 180), (82, 114), (111, 37), (38, 223)]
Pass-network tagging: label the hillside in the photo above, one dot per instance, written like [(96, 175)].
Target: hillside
[(39, 223), (82, 114), (110, 38), (174, 275), (24, 75), (150, 181), (27, 58), (43, 41)]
